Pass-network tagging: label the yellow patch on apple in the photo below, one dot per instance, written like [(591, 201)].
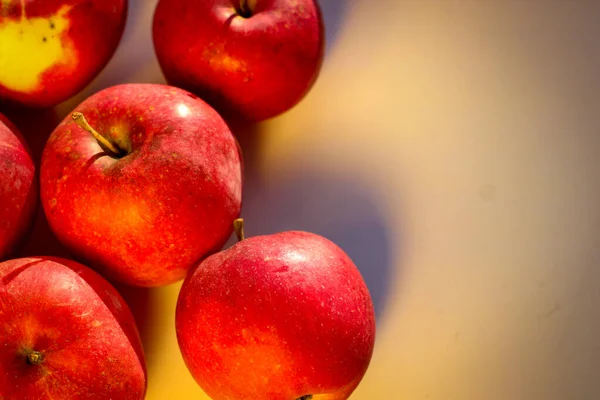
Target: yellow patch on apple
[(219, 58), (31, 327), (31, 46)]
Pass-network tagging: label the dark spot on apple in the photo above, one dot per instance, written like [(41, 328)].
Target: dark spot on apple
[(305, 397), (44, 39), (52, 26)]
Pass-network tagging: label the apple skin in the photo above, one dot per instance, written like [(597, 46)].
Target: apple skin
[(36, 125), (18, 187), (144, 219), (79, 324), (54, 48), (254, 68), (276, 317)]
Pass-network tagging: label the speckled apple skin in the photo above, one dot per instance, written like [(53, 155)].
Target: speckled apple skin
[(146, 218), (78, 322), (94, 32), (277, 317), (18, 187), (254, 68)]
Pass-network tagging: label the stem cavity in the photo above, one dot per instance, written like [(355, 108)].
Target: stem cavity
[(82, 122), (305, 397), (238, 226), (246, 8)]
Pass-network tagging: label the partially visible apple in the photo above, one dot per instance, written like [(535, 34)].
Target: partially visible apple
[(36, 125), (144, 184), (51, 49), (252, 58), (276, 317), (66, 334), (18, 187)]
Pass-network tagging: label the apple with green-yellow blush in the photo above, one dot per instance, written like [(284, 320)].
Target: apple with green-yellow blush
[(51, 49)]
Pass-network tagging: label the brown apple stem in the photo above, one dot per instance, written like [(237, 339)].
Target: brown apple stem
[(82, 122), (35, 357), (238, 226)]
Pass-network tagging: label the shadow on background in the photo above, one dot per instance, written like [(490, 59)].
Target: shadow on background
[(333, 12), (136, 48), (35, 125), (141, 302), (339, 208)]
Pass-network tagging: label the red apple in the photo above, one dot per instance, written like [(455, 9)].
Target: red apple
[(276, 317), (51, 49), (66, 334), (36, 125), (18, 187), (159, 202), (252, 58)]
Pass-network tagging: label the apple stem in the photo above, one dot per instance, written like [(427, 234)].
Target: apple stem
[(238, 226), (246, 8), (80, 120), (305, 397), (35, 357)]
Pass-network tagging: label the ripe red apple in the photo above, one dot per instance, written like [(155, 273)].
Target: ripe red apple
[(51, 49), (66, 334), (276, 317), (36, 125), (162, 199), (18, 187), (252, 58)]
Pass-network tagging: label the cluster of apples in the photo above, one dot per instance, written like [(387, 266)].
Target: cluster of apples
[(143, 184)]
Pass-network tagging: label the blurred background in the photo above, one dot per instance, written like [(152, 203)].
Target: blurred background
[(450, 148)]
